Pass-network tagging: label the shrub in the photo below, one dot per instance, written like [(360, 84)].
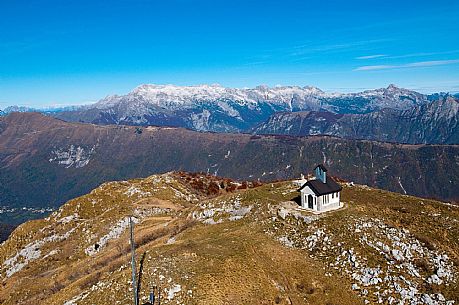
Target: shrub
[(90, 280), (427, 241)]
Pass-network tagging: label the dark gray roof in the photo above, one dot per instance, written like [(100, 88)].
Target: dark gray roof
[(322, 167), (319, 188)]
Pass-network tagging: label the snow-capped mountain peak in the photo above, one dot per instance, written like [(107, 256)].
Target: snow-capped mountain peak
[(392, 87), (217, 108)]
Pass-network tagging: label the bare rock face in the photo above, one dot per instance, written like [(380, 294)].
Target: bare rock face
[(73, 156)]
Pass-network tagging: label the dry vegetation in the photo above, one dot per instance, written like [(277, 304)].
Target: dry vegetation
[(207, 240)]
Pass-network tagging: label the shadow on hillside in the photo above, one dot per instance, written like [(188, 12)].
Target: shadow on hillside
[(139, 281), (297, 199)]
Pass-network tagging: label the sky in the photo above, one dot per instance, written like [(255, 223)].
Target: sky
[(55, 52)]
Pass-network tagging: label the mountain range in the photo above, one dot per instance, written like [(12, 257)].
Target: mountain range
[(436, 122), (221, 109), (389, 114), (46, 110), (45, 161)]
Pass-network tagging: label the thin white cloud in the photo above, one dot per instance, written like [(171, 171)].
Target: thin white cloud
[(377, 67), (371, 56), (311, 48), (433, 63), (418, 64), (422, 54)]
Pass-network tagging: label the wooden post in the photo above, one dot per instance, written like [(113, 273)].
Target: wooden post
[(134, 282)]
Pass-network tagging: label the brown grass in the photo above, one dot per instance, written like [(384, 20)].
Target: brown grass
[(229, 263)]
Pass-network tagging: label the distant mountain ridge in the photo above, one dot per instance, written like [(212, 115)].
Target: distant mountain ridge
[(46, 110), (388, 114), (45, 161), (435, 123), (221, 109)]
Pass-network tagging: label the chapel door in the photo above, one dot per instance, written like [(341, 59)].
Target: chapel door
[(310, 202)]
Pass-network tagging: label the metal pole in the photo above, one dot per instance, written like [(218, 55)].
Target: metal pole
[(134, 282), (152, 293)]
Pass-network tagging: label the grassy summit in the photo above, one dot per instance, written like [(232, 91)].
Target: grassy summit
[(206, 240)]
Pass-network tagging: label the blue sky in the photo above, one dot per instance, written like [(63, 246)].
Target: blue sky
[(72, 52)]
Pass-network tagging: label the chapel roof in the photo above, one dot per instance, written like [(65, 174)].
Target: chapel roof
[(319, 188)]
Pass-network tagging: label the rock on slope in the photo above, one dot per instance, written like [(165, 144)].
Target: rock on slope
[(433, 123), (220, 109), (227, 246)]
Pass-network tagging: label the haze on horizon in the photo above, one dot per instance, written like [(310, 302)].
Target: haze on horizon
[(74, 52)]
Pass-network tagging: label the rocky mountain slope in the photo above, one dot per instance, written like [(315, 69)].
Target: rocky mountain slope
[(221, 109), (234, 245), (434, 123), (45, 161)]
